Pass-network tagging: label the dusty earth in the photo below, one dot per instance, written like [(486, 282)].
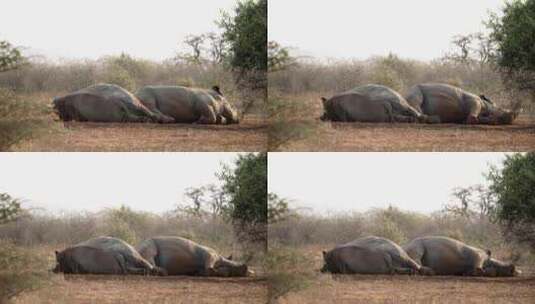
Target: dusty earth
[(136, 289), (519, 137), (415, 289), (248, 136)]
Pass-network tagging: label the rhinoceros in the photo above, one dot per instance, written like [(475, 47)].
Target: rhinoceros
[(104, 103), (180, 256), (188, 105), (447, 256), (371, 255), (454, 105), (103, 255), (370, 103)]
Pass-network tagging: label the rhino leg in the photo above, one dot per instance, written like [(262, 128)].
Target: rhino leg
[(403, 118), (475, 111), (416, 98), (152, 105), (208, 115), (476, 272)]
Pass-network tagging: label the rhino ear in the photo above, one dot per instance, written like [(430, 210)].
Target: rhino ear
[(324, 253), (217, 90), (229, 257), (485, 98), (323, 101), (489, 253)]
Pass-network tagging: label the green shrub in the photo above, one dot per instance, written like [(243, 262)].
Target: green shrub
[(20, 270), (19, 119), (287, 271)]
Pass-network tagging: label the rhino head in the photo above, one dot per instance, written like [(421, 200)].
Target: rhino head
[(492, 114), (329, 264), (228, 112), (496, 268), (226, 267), (327, 110), (64, 263)]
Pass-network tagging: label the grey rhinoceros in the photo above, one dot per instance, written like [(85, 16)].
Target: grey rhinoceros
[(188, 105), (454, 105), (370, 103), (180, 256), (447, 256), (104, 103), (103, 255), (371, 255)]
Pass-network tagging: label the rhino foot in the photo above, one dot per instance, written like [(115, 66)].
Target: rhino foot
[(472, 120)]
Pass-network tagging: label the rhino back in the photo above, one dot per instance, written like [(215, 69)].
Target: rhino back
[(445, 101), (105, 103), (119, 246), (180, 256), (399, 257), (90, 260), (354, 106), (181, 103), (359, 259), (448, 256)]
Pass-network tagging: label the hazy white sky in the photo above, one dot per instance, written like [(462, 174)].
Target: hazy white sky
[(92, 181), (419, 29), (341, 182), (89, 29)]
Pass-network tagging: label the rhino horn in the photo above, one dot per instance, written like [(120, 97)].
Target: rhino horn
[(229, 257), (489, 253)]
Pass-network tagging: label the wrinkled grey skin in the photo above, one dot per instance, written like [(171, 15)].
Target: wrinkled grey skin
[(454, 105), (371, 255), (104, 103), (103, 255), (370, 103), (447, 256), (179, 256), (188, 105)]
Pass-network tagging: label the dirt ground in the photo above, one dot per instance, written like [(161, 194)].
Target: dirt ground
[(248, 136), (415, 289), (519, 137), (328, 288), (329, 136), (136, 289)]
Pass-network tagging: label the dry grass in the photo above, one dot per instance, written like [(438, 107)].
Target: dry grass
[(411, 289), (136, 289), (405, 137), (249, 135)]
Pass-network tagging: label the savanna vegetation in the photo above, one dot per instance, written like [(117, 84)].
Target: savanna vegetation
[(497, 63), (28, 84), (497, 216)]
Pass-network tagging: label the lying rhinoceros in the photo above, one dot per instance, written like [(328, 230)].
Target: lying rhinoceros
[(188, 105), (104, 103), (179, 256), (454, 105), (103, 255), (370, 103), (447, 256), (371, 255)]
